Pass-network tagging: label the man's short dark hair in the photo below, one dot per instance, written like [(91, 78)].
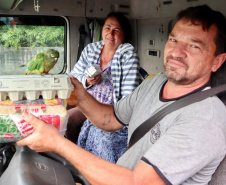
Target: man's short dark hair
[(207, 17)]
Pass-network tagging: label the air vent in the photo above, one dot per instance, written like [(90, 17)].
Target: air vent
[(120, 8), (167, 2), (191, 0), (124, 6)]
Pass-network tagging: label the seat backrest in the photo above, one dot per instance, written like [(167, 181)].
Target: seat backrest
[(218, 78), (219, 177)]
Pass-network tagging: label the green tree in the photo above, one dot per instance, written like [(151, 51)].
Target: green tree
[(31, 36)]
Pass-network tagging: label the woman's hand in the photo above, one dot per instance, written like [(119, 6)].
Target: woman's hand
[(93, 80)]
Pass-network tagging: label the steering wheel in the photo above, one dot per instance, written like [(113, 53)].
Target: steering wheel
[(29, 167), (78, 177)]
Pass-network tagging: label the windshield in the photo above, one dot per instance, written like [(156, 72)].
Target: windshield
[(24, 37)]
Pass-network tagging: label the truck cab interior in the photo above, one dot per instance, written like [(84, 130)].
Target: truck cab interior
[(29, 27)]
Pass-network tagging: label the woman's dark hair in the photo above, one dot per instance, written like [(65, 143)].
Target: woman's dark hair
[(125, 24), (207, 17)]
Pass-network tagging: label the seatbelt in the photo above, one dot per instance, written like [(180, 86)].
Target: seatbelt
[(143, 73), (150, 122)]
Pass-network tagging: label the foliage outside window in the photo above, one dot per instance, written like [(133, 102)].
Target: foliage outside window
[(29, 36)]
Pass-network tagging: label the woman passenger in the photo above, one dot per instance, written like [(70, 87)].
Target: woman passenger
[(119, 76)]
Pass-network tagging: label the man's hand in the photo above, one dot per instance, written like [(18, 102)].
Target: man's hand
[(45, 137), (78, 93)]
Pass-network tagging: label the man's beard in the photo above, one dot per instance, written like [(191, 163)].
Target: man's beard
[(174, 75)]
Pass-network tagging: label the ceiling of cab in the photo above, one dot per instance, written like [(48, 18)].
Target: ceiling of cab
[(146, 9), (100, 8), (46, 7), (9, 4), (138, 9)]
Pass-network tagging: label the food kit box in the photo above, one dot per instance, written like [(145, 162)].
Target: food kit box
[(22, 93), (12, 125)]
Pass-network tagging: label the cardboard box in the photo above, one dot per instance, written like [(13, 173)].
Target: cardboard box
[(32, 86)]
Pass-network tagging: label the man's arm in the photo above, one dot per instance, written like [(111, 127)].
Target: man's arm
[(96, 170), (101, 115)]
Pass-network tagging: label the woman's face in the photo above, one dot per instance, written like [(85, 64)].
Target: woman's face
[(112, 33)]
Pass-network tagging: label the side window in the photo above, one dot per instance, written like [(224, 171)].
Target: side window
[(23, 37)]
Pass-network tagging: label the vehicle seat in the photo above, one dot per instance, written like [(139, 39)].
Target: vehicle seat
[(219, 78), (219, 177)]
